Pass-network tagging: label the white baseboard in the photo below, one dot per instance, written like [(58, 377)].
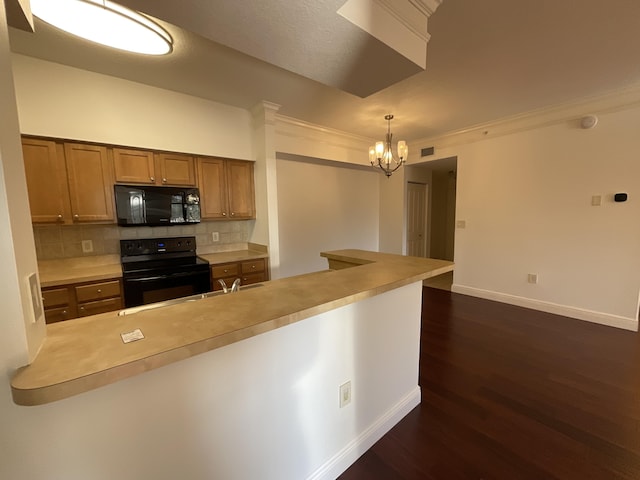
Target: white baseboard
[(549, 307), (342, 460)]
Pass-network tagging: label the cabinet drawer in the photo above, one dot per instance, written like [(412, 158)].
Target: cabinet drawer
[(253, 278), (225, 270), (96, 291), (53, 315), (253, 266), (56, 297), (100, 306)]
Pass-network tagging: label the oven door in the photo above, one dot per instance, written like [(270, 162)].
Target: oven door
[(157, 287)]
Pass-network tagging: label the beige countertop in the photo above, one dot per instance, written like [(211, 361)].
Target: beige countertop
[(86, 353), (54, 273)]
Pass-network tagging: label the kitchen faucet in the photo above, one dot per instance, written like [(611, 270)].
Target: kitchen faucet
[(234, 288)]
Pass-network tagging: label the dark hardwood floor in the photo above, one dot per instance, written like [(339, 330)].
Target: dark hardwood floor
[(511, 393)]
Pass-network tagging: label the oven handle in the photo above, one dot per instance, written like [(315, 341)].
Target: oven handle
[(161, 277)]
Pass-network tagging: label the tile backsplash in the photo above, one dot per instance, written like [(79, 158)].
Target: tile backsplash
[(65, 241)]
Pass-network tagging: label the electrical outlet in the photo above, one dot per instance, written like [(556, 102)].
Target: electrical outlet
[(215, 236), (87, 246), (345, 394), (596, 200), (532, 278), (461, 224)]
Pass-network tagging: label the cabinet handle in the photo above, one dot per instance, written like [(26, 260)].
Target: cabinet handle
[(82, 308), (224, 214), (99, 290), (65, 313), (60, 217), (152, 179), (232, 214), (76, 216), (164, 180), (253, 266), (225, 270)]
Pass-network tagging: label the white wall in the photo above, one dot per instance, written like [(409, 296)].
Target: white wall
[(24, 332), (82, 105), (393, 195), (323, 206), (264, 408), (526, 200)]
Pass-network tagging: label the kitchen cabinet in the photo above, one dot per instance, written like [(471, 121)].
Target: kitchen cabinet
[(241, 189), (134, 166), (249, 272), (99, 297), (59, 304), (90, 182), (47, 186), (227, 189), (82, 299), (68, 182), (176, 169)]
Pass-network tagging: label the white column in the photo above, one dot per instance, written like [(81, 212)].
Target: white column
[(20, 334), (266, 226)]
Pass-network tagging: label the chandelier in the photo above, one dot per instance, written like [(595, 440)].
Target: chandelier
[(382, 154)]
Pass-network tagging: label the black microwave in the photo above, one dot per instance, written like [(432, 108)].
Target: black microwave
[(152, 206)]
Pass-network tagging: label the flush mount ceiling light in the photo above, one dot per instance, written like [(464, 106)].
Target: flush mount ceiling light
[(106, 23), (382, 154)]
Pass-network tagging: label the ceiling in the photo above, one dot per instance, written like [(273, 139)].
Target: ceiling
[(486, 60)]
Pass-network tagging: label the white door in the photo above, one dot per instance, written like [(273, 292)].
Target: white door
[(416, 219)]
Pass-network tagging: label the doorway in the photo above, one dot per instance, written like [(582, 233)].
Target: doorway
[(417, 219), (438, 179)]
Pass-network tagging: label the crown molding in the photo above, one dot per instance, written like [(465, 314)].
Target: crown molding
[(413, 23), (428, 7), (315, 129), (265, 112), (617, 100)]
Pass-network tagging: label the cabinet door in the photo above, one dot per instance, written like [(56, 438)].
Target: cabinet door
[(213, 188), (90, 182), (241, 189), (176, 169), (133, 166), (46, 181)]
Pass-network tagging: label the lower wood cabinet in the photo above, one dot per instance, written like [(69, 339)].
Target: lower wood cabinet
[(59, 304), (81, 299), (253, 271)]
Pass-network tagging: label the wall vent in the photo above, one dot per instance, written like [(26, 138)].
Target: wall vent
[(425, 152)]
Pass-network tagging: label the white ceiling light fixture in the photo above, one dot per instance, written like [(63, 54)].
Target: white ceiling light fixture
[(105, 22), (382, 154)]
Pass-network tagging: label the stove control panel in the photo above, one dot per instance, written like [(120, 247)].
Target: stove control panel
[(153, 246)]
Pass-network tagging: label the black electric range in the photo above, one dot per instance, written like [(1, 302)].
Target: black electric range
[(158, 269)]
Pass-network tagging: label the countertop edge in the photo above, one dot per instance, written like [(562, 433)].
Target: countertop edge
[(58, 391)]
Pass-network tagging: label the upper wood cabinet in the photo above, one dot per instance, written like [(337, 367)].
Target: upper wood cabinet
[(240, 184), (226, 189), (133, 166), (213, 188), (68, 183), (90, 182), (176, 169), (47, 186)]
